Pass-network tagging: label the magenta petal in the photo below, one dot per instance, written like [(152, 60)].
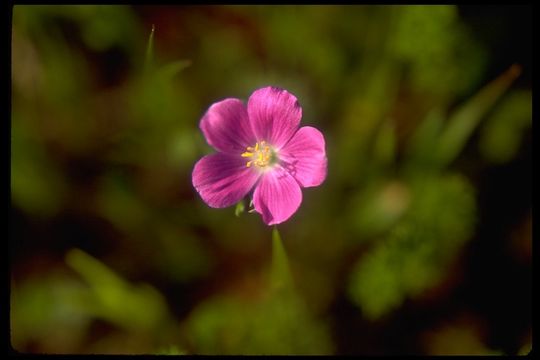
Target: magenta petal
[(304, 156), (277, 196), (222, 180), (274, 114), (226, 127)]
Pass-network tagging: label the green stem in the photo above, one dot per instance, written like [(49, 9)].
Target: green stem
[(149, 50), (281, 278)]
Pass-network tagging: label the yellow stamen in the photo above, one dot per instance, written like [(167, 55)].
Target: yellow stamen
[(261, 155)]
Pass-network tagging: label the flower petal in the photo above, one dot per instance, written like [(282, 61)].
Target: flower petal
[(304, 156), (226, 126), (277, 196), (222, 180), (274, 114)]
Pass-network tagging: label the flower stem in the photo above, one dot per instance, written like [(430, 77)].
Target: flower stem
[(280, 276), (149, 51)]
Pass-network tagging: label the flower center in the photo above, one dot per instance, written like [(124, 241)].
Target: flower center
[(260, 155)]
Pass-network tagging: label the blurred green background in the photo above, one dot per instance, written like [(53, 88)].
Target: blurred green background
[(418, 242)]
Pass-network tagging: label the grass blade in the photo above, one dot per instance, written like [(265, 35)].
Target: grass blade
[(463, 122)]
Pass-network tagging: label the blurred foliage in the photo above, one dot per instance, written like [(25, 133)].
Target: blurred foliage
[(171, 350), (504, 129), (115, 300), (269, 323), (36, 183), (526, 348), (422, 239), (61, 308), (276, 325), (45, 308), (443, 340), (418, 250), (439, 52), (462, 123), (106, 102)]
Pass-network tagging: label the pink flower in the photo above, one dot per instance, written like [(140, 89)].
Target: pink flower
[(260, 148)]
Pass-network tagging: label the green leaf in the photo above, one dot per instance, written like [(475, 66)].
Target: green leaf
[(116, 300), (501, 136), (239, 209), (463, 122)]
